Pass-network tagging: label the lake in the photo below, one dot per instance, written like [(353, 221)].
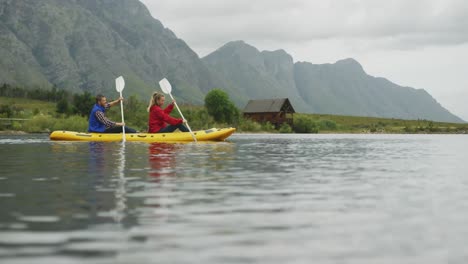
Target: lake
[(262, 198)]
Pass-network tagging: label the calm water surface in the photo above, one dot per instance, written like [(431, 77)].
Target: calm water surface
[(254, 199)]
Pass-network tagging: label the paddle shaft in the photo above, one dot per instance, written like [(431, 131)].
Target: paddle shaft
[(181, 115), (123, 121)]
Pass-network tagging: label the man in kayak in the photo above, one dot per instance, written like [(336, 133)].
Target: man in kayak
[(99, 123), (158, 117)]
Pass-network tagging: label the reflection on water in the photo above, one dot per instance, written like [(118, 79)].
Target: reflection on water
[(97, 154), (120, 191), (255, 199), (162, 159)]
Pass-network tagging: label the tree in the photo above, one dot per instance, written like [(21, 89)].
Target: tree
[(6, 111), (220, 107), (63, 107), (304, 125), (285, 128), (4, 89), (82, 103), (136, 112)]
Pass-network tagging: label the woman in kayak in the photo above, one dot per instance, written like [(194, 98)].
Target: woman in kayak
[(158, 117)]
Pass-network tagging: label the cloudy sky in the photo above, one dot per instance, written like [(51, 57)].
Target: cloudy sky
[(416, 43)]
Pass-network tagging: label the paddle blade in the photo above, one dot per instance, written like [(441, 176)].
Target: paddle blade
[(165, 86), (119, 84)]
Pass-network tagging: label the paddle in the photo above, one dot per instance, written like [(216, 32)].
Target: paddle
[(167, 89), (119, 86)]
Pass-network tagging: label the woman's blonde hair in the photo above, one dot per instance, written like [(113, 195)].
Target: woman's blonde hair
[(154, 98)]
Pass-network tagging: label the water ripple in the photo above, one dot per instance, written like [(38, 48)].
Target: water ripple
[(255, 199)]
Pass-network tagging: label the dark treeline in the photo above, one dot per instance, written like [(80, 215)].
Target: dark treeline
[(52, 95), (67, 102)]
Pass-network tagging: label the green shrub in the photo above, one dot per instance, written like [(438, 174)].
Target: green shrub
[(381, 124), (15, 125), (304, 124), (327, 124), (268, 127), (285, 128), (72, 123), (63, 107), (247, 125), (198, 118), (409, 129), (83, 103), (39, 123), (6, 111)]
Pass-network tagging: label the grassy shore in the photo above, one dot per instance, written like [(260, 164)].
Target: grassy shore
[(41, 117), (356, 124)]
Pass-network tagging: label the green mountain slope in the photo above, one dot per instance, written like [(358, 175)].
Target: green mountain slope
[(86, 44)]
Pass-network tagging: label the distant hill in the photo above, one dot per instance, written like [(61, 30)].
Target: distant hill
[(342, 88), (251, 74), (83, 45)]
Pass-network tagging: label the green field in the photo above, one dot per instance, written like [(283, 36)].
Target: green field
[(26, 108), (356, 124), (35, 116)]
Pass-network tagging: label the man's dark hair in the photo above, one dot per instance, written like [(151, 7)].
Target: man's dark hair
[(99, 97)]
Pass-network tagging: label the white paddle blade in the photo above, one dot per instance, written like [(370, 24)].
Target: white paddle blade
[(165, 86), (119, 84)]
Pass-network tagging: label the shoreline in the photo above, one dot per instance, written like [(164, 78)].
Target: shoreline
[(18, 132), (14, 133)]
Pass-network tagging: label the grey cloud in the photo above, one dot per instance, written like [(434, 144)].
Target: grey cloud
[(408, 23), (217, 8)]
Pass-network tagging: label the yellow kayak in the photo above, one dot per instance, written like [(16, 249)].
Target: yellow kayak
[(213, 134)]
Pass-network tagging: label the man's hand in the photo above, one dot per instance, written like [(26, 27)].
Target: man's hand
[(116, 101), (120, 124)]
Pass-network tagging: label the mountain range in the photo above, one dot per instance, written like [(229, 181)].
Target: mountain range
[(83, 45)]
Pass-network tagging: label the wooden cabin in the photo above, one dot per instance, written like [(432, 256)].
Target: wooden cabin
[(275, 111)]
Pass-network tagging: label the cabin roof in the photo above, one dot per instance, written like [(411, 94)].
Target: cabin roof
[(268, 106)]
